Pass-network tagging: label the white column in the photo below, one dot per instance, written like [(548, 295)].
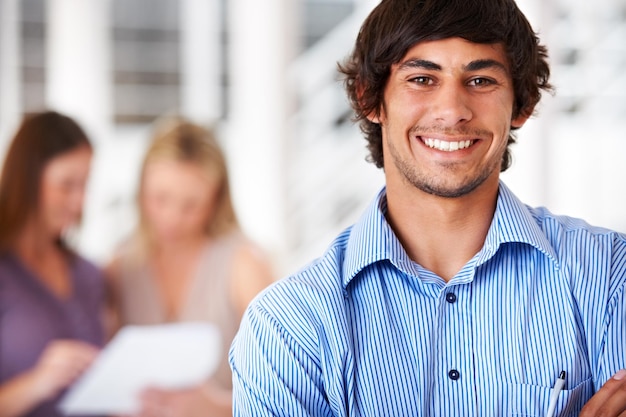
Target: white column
[(201, 59), (79, 84), (262, 43), (78, 73), (10, 72)]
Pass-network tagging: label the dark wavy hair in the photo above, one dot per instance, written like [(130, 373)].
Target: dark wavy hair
[(40, 138), (395, 26)]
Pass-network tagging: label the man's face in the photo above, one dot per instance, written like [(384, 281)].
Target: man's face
[(446, 117)]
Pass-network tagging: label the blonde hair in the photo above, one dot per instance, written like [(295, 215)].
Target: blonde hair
[(177, 139)]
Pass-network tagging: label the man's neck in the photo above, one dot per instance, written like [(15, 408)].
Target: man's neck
[(442, 234)]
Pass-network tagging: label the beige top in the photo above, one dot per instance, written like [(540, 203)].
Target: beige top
[(208, 298)]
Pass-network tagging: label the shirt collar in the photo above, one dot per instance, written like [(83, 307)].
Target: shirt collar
[(372, 239)]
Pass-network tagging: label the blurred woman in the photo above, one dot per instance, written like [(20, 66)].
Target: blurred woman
[(188, 259), (50, 298)]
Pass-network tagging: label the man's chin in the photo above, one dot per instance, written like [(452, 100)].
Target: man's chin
[(448, 190)]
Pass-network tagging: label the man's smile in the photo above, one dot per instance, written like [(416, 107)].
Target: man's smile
[(447, 146)]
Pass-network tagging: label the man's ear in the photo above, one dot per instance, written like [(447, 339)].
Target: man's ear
[(522, 117), (373, 116)]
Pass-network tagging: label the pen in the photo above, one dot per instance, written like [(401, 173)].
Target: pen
[(554, 396)]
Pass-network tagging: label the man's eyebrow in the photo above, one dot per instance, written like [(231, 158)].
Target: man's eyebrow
[(477, 65), (481, 64), (419, 63)]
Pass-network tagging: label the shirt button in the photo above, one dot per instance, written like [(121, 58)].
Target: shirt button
[(450, 297), (454, 374)]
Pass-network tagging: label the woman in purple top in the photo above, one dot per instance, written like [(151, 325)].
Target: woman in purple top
[(50, 298)]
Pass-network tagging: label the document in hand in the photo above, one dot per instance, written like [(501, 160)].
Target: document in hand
[(164, 356)]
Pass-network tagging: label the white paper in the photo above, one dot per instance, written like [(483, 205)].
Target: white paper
[(166, 356)]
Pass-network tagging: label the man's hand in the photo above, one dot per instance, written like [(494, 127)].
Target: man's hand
[(610, 400)]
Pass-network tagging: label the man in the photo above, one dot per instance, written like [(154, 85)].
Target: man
[(449, 296)]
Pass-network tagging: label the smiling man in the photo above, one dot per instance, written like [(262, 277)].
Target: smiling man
[(448, 296)]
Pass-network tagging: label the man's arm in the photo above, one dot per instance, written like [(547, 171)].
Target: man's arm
[(273, 373), (610, 399)]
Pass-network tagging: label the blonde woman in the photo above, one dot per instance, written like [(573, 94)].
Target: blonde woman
[(188, 259)]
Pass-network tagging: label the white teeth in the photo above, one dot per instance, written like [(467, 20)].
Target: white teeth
[(446, 146)]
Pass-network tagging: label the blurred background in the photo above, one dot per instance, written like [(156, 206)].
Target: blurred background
[(264, 74)]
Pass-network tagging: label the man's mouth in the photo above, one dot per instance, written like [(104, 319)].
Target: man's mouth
[(447, 146)]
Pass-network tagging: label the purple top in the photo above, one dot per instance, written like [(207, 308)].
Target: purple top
[(31, 316)]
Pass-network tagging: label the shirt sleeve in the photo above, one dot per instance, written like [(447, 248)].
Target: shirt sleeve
[(613, 353), (613, 348), (273, 373)]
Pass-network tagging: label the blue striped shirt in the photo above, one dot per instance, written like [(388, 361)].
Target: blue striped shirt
[(365, 331)]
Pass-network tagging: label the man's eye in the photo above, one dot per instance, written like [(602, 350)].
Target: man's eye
[(481, 82), (421, 80)]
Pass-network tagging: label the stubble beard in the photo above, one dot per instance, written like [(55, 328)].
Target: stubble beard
[(438, 187)]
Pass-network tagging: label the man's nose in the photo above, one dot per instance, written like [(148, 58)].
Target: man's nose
[(451, 106)]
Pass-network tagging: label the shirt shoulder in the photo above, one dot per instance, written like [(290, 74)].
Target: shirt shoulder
[(7, 266), (572, 232), (314, 295), (88, 278), (87, 268), (585, 250)]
